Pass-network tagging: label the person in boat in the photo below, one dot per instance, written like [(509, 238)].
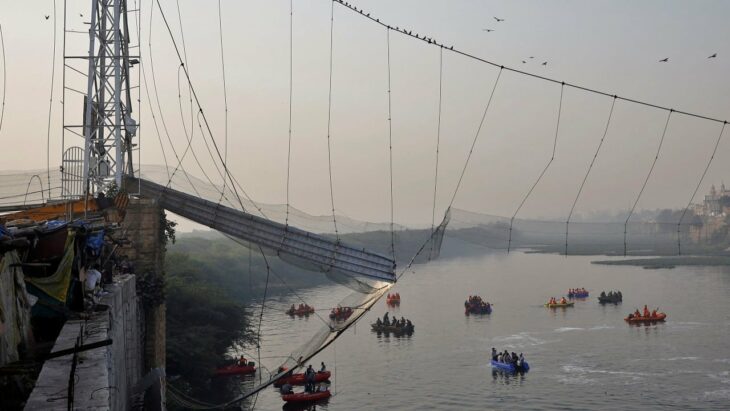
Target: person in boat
[(409, 324), (646, 311), (514, 358), (309, 378), (499, 357), (379, 323), (603, 294), (654, 314), (386, 321), (494, 354), (563, 300), (521, 359), (292, 309), (506, 357), (242, 362), (287, 389), (323, 368), (637, 313), (631, 315)]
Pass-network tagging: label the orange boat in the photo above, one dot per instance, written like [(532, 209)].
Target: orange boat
[(306, 396), (659, 317), (301, 311), (299, 379), (235, 369), (393, 299)]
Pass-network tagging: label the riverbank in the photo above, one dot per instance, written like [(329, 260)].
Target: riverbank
[(670, 262)]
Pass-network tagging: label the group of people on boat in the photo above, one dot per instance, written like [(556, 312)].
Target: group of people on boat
[(310, 380), (340, 313), (554, 301), (508, 358), (577, 292), (302, 309), (646, 314), (476, 305), (393, 297), (402, 324), (611, 297)]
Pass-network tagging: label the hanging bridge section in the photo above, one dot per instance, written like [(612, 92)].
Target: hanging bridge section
[(302, 248)]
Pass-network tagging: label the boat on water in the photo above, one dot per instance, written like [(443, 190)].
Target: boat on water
[(578, 293), (478, 309), (392, 329), (560, 305), (632, 319), (392, 299), (299, 379), (509, 367), (610, 298), (235, 369), (301, 397), (300, 311), (340, 313)]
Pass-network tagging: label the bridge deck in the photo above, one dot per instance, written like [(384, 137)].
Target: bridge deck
[(309, 250)]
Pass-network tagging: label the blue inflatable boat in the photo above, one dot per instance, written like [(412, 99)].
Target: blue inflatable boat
[(510, 367)]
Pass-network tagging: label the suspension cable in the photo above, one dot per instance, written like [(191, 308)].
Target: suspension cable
[(544, 170), (291, 87), (689, 203), (432, 41), (50, 101), (646, 180), (225, 98), (5, 78), (390, 151), (329, 123), (588, 172), (476, 137), (438, 142)]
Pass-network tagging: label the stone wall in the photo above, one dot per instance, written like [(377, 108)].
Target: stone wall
[(105, 377)]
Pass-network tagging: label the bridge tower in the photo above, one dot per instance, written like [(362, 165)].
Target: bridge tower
[(108, 127)]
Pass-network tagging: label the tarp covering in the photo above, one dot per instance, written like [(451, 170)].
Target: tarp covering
[(56, 285)]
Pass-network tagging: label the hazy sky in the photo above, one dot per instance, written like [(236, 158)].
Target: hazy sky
[(609, 45)]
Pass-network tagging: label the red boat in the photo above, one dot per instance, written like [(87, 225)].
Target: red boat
[(393, 299), (301, 311), (298, 379), (235, 369), (306, 396), (341, 314), (631, 319)]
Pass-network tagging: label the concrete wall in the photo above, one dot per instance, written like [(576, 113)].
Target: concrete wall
[(105, 377)]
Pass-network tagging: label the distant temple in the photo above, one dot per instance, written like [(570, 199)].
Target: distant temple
[(717, 203)]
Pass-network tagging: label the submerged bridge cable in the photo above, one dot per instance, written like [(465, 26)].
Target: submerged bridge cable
[(588, 172), (431, 40), (329, 122), (225, 97), (438, 142), (50, 101), (699, 183), (390, 152), (646, 180), (291, 88), (552, 158), (476, 137), (5, 78)]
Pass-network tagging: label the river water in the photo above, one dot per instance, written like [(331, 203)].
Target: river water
[(581, 358)]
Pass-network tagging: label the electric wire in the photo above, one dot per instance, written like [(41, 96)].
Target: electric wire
[(646, 180), (588, 172), (544, 170)]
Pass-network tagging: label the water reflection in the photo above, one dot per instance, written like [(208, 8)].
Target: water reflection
[(504, 377)]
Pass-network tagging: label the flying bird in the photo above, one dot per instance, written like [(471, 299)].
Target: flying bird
[(713, 56), (523, 62), (544, 63), (81, 15), (532, 57), (47, 17), (664, 60), (498, 19), (488, 30)]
